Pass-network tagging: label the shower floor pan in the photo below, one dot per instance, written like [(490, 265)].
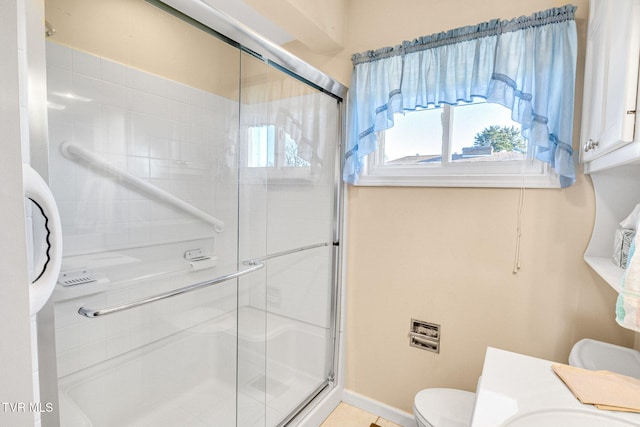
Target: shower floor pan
[(189, 378)]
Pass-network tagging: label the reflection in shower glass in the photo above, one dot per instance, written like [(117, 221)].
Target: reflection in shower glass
[(261, 147)]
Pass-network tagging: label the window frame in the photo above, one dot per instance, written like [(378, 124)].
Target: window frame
[(499, 174)]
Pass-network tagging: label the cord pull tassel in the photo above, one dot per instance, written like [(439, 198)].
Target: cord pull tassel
[(516, 258)]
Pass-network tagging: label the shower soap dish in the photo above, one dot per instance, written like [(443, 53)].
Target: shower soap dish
[(79, 283), (199, 261), (76, 277)]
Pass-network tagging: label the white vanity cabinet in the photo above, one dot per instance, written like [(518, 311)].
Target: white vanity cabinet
[(516, 390), (611, 78)]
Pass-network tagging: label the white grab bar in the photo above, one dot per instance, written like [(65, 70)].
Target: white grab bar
[(73, 151)]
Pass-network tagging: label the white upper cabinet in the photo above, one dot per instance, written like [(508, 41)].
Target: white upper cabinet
[(611, 79)]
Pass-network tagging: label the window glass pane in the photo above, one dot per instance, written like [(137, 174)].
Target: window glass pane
[(416, 138), (261, 149), (485, 132)]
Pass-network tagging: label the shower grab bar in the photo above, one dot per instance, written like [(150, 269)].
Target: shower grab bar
[(90, 313), (73, 151), (255, 261)]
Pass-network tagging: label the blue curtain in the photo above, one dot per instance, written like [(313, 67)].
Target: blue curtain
[(527, 64)]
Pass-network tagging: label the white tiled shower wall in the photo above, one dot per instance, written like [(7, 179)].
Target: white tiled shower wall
[(166, 133), (154, 128)]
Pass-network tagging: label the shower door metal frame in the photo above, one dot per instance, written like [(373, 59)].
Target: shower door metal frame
[(248, 40), (336, 276)]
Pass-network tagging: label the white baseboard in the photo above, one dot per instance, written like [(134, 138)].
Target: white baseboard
[(387, 412)]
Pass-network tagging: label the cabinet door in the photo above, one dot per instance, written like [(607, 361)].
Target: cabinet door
[(611, 76), (622, 79), (594, 77)]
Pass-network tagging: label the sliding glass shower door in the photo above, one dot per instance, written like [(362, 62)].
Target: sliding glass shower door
[(143, 133), (287, 153), (197, 188)]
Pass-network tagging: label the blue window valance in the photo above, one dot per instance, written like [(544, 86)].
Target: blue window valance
[(527, 64)]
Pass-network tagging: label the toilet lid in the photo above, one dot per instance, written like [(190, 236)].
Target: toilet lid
[(445, 407)]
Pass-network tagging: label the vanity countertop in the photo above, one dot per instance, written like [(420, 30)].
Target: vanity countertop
[(522, 391)]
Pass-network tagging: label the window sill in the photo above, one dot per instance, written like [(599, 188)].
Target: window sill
[(395, 179), (286, 175), (512, 174)]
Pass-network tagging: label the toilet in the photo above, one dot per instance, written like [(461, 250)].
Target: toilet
[(598, 355), (443, 407)]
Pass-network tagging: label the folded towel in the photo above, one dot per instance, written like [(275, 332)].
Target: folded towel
[(628, 304), (604, 389)]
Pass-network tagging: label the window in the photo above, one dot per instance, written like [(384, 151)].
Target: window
[(261, 147), (470, 144), (275, 150), (526, 64)]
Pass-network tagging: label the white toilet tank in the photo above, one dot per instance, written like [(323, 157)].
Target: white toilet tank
[(598, 355)]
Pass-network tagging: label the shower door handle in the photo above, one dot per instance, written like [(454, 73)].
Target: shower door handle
[(92, 313)]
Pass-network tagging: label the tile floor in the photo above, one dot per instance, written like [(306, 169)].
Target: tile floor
[(350, 416)]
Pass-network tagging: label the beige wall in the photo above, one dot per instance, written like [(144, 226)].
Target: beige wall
[(138, 34), (446, 254)]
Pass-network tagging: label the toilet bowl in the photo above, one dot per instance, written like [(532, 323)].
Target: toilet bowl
[(443, 407)]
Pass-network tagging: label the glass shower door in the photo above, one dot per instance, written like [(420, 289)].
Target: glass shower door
[(287, 144), (143, 123), (196, 184)]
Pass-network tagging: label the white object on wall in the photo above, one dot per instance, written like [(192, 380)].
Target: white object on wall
[(42, 287)]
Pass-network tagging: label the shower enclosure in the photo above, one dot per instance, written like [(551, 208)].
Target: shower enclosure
[(195, 168)]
